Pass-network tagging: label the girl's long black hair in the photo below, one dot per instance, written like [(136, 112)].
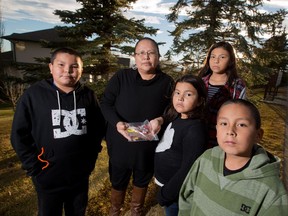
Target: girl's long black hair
[(231, 70)]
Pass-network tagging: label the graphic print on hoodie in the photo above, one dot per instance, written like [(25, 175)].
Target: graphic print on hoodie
[(71, 125)]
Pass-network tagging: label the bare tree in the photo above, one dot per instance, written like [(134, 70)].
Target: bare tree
[(2, 29), (11, 86), (1, 62)]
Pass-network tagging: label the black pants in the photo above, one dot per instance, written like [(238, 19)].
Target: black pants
[(120, 177), (74, 202)]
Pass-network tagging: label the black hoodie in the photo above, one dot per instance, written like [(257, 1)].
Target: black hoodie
[(57, 136)]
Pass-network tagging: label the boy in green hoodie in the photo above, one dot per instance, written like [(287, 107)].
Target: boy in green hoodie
[(238, 177)]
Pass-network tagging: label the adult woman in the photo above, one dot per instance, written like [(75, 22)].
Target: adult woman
[(222, 82), (134, 95)]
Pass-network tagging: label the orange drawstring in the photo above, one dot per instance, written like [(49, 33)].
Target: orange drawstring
[(43, 161)]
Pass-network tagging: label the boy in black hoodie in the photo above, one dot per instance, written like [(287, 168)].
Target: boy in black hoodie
[(57, 132)]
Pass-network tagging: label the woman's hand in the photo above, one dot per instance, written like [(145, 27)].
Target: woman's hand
[(122, 129), (156, 125)]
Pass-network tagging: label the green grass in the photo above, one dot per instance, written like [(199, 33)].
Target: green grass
[(18, 197)]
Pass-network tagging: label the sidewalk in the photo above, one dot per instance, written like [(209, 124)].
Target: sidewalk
[(279, 100)]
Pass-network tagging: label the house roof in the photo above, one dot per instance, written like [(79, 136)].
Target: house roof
[(36, 36)]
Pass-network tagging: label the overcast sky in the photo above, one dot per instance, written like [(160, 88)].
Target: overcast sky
[(21, 16)]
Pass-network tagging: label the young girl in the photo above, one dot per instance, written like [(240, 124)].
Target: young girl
[(238, 177), (183, 141), (222, 83)]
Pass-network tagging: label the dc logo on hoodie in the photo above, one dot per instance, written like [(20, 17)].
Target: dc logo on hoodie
[(66, 123)]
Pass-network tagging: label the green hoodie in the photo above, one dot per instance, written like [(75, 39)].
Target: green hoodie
[(256, 190)]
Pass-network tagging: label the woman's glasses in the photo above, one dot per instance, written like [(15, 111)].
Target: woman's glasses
[(143, 53)]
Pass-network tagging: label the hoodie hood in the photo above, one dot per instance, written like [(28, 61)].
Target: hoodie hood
[(262, 164), (63, 110), (49, 84)]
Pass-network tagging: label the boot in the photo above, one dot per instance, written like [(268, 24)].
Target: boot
[(137, 201), (117, 200)]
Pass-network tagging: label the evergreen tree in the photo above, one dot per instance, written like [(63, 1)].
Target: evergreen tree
[(100, 28), (274, 53), (267, 61), (242, 23)]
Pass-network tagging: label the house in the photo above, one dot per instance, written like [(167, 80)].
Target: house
[(26, 46)]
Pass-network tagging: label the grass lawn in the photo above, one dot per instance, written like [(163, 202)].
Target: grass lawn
[(17, 195)]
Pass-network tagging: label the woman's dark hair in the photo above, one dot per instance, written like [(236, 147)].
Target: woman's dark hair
[(231, 69), (253, 109), (197, 112), (64, 50), (150, 39)]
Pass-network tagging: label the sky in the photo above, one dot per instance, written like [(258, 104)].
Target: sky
[(21, 16)]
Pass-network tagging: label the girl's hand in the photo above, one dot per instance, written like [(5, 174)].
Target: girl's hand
[(122, 129)]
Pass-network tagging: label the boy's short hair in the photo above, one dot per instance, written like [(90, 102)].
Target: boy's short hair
[(64, 50), (253, 109)]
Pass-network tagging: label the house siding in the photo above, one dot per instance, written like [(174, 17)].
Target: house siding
[(28, 51)]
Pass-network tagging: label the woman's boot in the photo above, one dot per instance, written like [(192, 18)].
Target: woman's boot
[(137, 201), (117, 200)]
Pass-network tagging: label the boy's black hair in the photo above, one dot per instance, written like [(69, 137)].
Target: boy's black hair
[(253, 109), (64, 50)]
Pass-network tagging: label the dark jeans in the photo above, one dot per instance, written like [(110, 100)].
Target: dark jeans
[(73, 201), (171, 210)]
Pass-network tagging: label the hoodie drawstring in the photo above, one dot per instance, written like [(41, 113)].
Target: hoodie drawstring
[(43, 161), (59, 106), (75, 110), (75, 121)]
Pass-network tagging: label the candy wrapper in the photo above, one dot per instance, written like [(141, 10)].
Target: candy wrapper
[(141, 131)]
